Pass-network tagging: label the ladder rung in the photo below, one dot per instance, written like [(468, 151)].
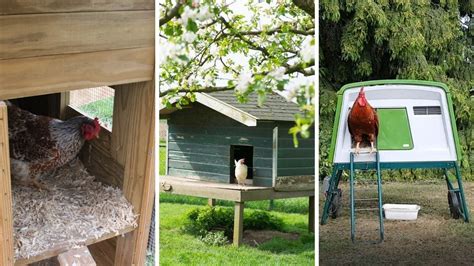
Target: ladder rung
[(367, 199), (367, 209)]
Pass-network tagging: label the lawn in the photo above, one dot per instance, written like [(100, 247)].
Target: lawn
[(103, 109), (178, 248), (433, 239)]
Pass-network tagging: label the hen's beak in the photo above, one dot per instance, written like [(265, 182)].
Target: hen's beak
[(97, 135)]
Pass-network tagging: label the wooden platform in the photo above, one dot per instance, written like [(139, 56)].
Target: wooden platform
[(233, 192)]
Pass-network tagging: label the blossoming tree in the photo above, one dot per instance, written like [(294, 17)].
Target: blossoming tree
[(257, 47)]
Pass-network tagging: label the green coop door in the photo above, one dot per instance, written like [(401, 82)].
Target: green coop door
[(394, 129)]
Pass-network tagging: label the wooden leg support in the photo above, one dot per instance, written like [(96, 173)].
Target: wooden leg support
[(211, 202), (6, 213), (238, 223), (311, 214)]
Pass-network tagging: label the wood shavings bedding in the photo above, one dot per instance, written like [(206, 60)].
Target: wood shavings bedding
[(75, 209)]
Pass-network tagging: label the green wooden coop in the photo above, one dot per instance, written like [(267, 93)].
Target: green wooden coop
[(205, 138)]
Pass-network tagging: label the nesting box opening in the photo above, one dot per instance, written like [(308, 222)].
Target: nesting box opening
[(82, 202), (238, 152)]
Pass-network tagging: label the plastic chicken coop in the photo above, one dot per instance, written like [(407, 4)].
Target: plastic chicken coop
[(417, 129), (49, 48)]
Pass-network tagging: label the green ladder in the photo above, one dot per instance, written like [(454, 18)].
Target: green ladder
[(353, 200)]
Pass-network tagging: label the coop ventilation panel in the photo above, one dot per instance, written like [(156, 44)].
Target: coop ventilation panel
[(427, 110)]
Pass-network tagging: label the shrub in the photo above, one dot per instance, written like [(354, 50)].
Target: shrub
[(209, 223)]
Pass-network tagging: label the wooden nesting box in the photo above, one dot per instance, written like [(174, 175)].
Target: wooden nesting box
[(57, 46)]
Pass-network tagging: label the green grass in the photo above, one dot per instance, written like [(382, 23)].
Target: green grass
[(178, 248), (103, 109)]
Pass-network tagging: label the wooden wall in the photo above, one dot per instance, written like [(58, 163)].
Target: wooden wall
[(294, 161), (199, 142), (58, 45)]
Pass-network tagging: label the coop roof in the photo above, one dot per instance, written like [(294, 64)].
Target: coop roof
[(275, 108)]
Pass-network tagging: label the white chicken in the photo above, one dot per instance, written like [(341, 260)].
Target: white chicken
[(240, 171)]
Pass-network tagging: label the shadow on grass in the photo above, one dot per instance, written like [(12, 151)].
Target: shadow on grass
[(294, 205)]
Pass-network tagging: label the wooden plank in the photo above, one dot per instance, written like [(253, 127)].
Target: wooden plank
[(50, 74), (296, 153), (311, 216), (6, 212), (9, 7), (197, 175), (296, 171), (198, 166), (238, 223), (197, 137), (104, 252), (60, 249), (226, 109), (67, 33), (77, 256), (267, 194), (97, 158), (274, 156), (294, 183), (64, 101), (133, 147)]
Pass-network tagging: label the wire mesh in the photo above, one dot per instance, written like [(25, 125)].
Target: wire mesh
[(95, 102)]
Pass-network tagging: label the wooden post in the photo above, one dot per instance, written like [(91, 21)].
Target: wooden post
[(211, 202), (78, 256), (63, 104), (132, 146), (311, 214), (238, 223), (6, 213)]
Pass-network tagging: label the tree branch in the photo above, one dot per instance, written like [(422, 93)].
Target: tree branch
[(278, 30), (170, 14), (307, 6)]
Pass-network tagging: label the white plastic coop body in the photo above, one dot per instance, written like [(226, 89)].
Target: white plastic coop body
[(416, 122)]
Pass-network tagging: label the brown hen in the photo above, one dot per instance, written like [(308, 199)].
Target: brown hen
[(363, 122)]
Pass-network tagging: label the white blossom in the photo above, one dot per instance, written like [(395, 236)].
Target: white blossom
[(189, 36), (291, 91), (243, 81), (307, 51), (278, 72), (188, 13), (204, 13)]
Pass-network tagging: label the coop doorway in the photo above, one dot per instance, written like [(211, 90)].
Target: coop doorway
[(238, 152)]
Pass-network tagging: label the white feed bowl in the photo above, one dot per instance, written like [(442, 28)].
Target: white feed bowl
[(401, 211)]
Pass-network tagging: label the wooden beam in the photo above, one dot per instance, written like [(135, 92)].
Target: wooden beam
[(275, 156), (6, 213), (69, 33), (59, 73), (238, 223), (60, 249), (132, 146), (9, 7), (64, 101), (311, 214), (226, 109)]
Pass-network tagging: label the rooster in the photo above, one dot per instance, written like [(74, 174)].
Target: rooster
[(240, 171), (39, 144), (363, 121)]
